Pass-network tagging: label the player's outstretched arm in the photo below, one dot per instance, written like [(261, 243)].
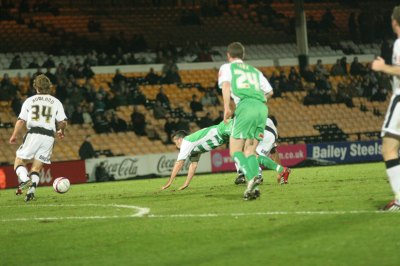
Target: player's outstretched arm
[(379, 65), (177, 167), (192, 171), (17, 129)]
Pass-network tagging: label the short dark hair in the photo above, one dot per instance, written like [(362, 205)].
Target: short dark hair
[(396, 14), (236, 50), (179, 134)]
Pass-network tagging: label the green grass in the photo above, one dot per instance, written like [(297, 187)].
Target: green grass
[(225, 239)]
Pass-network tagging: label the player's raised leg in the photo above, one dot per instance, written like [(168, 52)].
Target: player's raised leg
[(283, 172)]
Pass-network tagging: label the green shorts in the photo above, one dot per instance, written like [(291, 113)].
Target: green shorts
[(250, 119)]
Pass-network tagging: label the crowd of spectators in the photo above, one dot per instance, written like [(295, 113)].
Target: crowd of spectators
[(360, 81), (96, 107)]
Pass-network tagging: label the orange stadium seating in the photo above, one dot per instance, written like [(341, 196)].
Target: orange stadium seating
[(297, 123)]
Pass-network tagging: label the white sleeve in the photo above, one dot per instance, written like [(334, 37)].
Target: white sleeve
[(224, 74), (24, 111), (265, 86), (60, 115), (185, 150)]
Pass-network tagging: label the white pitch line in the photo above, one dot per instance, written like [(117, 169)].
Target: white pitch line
[(140, 212), (144, 213), (264, 214)]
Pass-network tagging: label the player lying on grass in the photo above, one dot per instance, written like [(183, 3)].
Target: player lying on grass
[(193, 145), (265, 148), (207, 139)]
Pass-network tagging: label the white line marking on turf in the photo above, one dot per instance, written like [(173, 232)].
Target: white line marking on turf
[(263, 214), (144, 212), (140, 212)]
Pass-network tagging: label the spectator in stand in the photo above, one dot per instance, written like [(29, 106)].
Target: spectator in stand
[(277, 89), (308, 75), (16, 63), (337, 69), (101, 124), (294, 75), (152, 78), (49, 63), (182, 124), (162, 97), (356, 68), (77, 116), (159, 110), (117, 124), (93, 25), (320, 69), (87, 72), (320, 83), (205, 121), (169, 127), (343, 62), (16, 104), (87, 118), (86, 151), (138, 122), (68, 107), (380, 95), (273, 78), (51, 76), (34, 63), (209, 99), (99, 104), (118, 77), (220, 118), (195, 105)]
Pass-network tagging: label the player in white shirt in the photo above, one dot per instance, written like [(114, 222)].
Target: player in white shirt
[(391, 125), (41, 114)]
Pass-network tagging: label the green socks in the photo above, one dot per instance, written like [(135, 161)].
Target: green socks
[(242, 163), (253, 167), (270, 164)]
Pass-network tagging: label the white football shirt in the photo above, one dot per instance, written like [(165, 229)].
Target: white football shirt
[(42, 110)]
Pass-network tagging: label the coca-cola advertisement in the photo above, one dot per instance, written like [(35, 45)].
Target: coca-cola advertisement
[(73, 170), (126, 167)]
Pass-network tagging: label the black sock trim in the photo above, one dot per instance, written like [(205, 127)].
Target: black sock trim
[(392, 163), (21, 165), (34, 173)]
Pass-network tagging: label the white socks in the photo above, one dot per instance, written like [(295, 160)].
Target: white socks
[(22, 173), (35, 178), (393, 172)]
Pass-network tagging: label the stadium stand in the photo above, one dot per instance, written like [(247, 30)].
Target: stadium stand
[(332, 106)]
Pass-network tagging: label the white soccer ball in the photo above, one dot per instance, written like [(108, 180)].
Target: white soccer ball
[(61, 185)]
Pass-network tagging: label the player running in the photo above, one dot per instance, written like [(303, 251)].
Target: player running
[(391, 125), (193, 145), (265, 148), (39, 113), (250, 91)]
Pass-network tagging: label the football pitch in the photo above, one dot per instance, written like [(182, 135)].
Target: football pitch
[(324, 216)]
